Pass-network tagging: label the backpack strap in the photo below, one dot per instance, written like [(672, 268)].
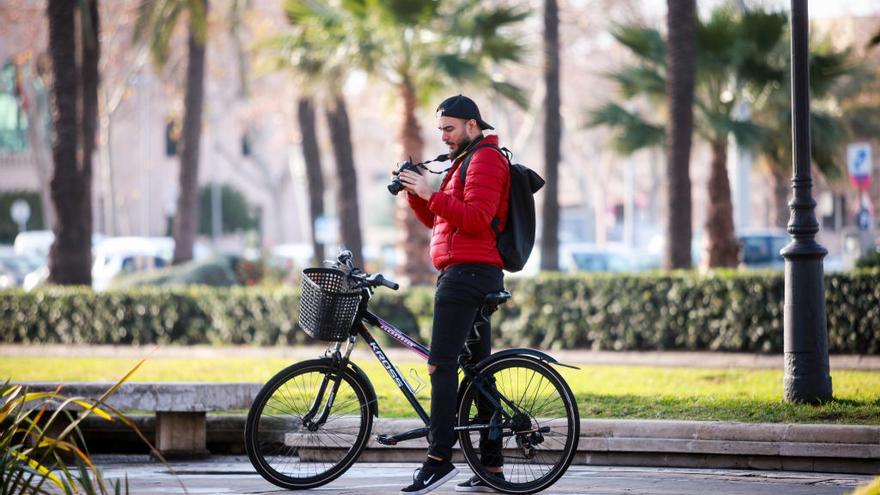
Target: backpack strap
[(462, 174), (462, 170)]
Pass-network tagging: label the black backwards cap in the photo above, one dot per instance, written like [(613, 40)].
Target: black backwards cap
[(462, 107)]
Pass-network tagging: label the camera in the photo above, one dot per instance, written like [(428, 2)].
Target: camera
[(395, 186)]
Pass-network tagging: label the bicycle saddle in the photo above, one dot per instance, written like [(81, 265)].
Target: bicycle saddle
[(496, 298)]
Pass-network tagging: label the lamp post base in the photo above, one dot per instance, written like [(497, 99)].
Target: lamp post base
[(806, 380)]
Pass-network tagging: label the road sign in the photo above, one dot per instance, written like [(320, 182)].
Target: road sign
[(20, 211), (327, 229), (859, 164), (863, 219)]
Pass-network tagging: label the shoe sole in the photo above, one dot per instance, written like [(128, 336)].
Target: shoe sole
[(435, 485), (476, 489)]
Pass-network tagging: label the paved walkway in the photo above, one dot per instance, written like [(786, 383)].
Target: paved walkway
[(235, 475), (665, 358)]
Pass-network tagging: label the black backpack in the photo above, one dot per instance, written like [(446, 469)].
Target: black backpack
[(516, 241)]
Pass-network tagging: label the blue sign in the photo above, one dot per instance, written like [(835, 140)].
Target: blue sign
[(863, 219)]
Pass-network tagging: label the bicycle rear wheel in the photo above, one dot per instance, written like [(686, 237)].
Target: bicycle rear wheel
[(295, 450), (538, 436)]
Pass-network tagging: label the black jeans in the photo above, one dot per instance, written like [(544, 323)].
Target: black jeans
[(460, 293)]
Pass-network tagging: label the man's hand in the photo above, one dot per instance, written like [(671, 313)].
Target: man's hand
[(416, 184)]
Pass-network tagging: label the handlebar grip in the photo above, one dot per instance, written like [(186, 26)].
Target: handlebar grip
[(388, 283)]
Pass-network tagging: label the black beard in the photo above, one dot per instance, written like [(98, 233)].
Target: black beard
[(464, 146)]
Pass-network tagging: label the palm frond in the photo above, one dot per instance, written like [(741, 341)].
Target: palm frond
[(455, 67), (198, 19), (826, 69), (639, 80), (630, 131), (645, 43), (762, 29), (827, 141), (156, 21), (511, 92)]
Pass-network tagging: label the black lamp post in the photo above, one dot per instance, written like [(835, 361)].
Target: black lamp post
[(807, 377)]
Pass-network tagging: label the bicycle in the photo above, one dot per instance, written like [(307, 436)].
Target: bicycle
[(311, 421)]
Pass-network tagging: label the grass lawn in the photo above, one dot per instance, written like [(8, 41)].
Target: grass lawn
[(623, 392)]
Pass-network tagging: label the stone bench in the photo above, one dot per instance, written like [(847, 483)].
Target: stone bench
[(180, 407)]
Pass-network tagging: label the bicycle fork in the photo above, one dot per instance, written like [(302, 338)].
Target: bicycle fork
[(331, 380)]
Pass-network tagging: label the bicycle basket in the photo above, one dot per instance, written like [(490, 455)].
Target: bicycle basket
[(327, 306)]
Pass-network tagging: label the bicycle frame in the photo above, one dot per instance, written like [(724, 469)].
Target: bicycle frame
[(419, 349), (359, 329)]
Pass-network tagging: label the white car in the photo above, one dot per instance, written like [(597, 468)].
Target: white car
[(119, 255)]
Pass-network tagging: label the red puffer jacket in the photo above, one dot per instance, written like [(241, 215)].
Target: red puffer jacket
[(461, 215)]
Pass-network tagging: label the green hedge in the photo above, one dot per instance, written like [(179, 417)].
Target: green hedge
[(721, 311)]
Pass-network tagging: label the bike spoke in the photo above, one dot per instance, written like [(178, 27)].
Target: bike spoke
[(533, 460), (292, 451)]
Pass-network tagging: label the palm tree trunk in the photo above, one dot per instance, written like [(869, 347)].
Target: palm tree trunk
[(413, 239), (681, 61), (39, 142), (74, 91), (314, 175), (552, 136), (781, 184), (722, 248), (186, 217), (347, 194)]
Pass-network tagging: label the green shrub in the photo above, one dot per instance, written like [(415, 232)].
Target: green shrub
[(216, 271), (722, 311), (869, 260)]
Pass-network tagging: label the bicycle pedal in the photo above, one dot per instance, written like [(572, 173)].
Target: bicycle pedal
[(386, 440)]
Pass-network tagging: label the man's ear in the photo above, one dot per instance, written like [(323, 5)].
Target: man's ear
[(473, 128)]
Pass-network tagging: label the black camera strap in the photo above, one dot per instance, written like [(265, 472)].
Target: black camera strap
[(444, 157)]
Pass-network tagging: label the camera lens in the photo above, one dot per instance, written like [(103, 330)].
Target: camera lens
[(395, 187)]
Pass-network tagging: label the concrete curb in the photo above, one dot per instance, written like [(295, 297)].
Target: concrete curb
[(693, 444)]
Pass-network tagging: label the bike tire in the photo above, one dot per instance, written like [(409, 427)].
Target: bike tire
[(536, 388), (290, 456)]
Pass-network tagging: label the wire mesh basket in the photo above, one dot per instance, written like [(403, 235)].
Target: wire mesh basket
[(327, 306)]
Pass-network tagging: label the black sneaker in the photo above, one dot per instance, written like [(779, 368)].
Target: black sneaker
[(475, 484), (429, 478)]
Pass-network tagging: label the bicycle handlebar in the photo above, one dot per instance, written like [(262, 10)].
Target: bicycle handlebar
[(344, 259)]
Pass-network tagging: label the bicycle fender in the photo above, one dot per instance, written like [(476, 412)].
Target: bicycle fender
[(522, 351), (372, 399), (516, 351)]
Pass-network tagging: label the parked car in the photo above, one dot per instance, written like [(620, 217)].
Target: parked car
[(15, 267), (590, 257), (121, 255), (759, 248)]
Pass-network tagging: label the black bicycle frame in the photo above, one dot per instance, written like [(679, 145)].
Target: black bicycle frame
[(422, 352), (392, 370)]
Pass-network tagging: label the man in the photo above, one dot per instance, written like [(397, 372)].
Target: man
[(464, 216)]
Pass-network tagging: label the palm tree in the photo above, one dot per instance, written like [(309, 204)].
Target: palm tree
[(74, 119), (314, 176), (828, 130), (307, 50), (417, 48), (552, 136), (681, 62), (732, 63), (157, 20)]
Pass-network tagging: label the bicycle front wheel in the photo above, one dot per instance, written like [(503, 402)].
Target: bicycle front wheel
[(535, 435), (296, 450)]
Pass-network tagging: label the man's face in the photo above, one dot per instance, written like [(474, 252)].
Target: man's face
[(454, 133)]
